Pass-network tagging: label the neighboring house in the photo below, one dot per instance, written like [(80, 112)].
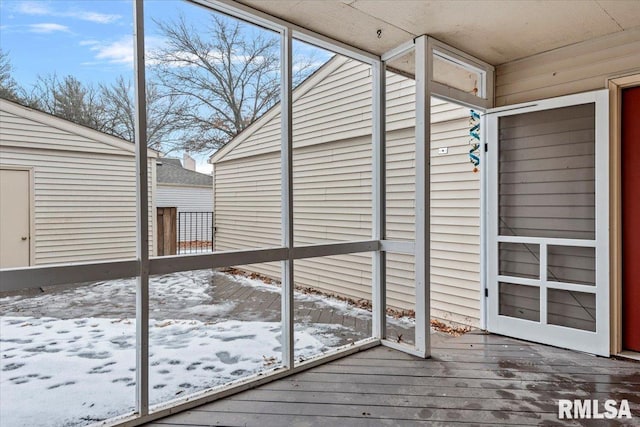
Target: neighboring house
[(191, 193), (68, 193), (332, 190)]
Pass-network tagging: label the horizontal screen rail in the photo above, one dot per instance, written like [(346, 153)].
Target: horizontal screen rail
[(398, 246), (574, 287), (80, 273), (553, 241), (321, 250), (65, 274), (173, 264)]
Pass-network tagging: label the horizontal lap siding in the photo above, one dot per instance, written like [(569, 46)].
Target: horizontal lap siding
[(247, 204), (186, 199), (332, 193), (84, 192), (572, 69), (22, 132), (332, 203)]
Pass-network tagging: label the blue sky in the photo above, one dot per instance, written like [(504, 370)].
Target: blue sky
[(90, 39), (82, 38)]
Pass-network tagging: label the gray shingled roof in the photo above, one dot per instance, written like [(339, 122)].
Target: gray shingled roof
[(170, 171)]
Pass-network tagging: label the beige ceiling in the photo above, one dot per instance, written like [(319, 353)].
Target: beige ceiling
[(494, 31)]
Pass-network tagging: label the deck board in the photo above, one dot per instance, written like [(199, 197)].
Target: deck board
[(475, 379)]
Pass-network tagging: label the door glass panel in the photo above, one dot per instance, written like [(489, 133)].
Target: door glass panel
[(572, 309), (546, 178), (519, 301), (519, 260), (571, 264)]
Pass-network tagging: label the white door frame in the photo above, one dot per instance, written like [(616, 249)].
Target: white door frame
[(616, 85), (592, 342)]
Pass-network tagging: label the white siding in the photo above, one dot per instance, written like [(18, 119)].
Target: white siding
[(84, 191), (577, 68), (186, 199), (332, 193), (247, 203)]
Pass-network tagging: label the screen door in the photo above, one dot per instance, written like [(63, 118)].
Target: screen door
[(547, 224)]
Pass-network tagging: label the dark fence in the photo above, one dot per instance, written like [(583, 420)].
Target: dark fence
[(195, 232)]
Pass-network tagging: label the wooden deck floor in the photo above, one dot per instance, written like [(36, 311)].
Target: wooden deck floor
[(475, 379)]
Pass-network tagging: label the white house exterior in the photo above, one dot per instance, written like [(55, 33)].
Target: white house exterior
[(191, 193), (332, 190), (68, 192)]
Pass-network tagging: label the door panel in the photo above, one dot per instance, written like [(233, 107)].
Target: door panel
[(631, 218), (15, 202), (548, 222)]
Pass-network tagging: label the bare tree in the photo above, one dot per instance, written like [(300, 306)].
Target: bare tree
[(69, 99), (9, 88), (227, 73), (210, 84), (165, 114), (111, 108)]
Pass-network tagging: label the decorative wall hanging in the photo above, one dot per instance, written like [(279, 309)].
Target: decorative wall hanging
[(474, 141)]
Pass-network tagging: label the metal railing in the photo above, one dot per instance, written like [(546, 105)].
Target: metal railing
[(195, 232)]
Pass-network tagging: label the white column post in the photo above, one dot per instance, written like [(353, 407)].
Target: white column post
[(213, 213), (142, 220), (286, 158), (379, 198), (423, 74)]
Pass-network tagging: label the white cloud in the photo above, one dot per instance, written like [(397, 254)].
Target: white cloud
[(116, 52), (98, 18), (32, 8), (42, 9), (48, 27)]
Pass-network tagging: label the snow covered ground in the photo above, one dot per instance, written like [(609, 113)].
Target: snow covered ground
[(68, 356), (68, 372)]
